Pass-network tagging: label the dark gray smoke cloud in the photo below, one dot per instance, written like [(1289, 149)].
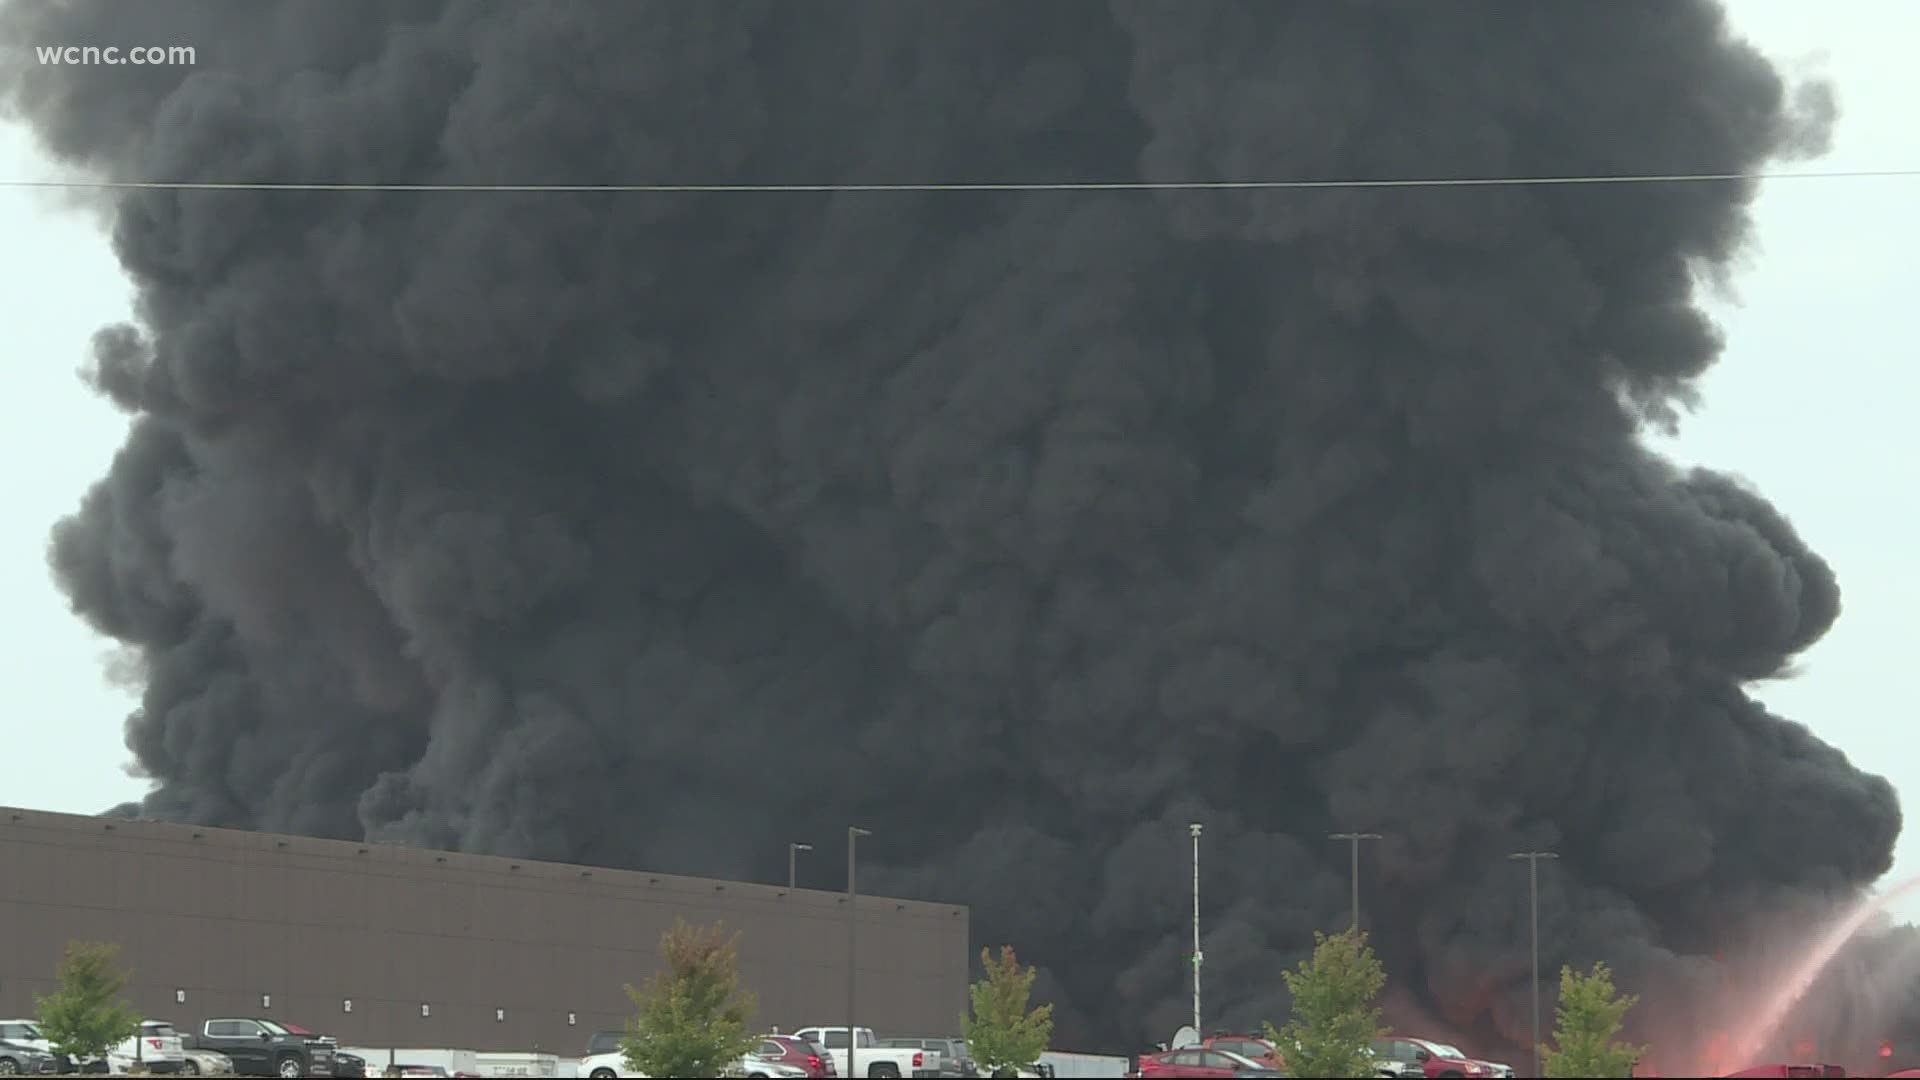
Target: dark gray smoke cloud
[(1020, 528)]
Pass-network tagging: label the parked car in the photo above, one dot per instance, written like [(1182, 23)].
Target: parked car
[(955, 1060), (26, 1033), (797, 1053), (604, 1058), (19, 1059), (1197, 1061), (870, 1058), (604, 1042), (1428, 1058), (197, 1062), (759, 1068), (1252, 1047), (261, 1047), (1498, 1069), (606, 1065), (156, 1048), (27, 1046), (309, 1033), (344, 1065)]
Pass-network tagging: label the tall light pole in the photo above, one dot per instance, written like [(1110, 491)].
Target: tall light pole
[(1355, 838), (1533, 902), (793, 852), (1194, 829), (853, 925)]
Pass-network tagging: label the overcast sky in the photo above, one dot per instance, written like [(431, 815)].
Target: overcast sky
[(1815, 403)]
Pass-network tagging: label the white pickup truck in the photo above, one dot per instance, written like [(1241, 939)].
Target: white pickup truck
[(870, 1059)]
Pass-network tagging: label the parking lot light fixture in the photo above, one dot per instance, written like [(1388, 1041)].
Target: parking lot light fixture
[(854, 833), (1355, 839), (1532, 859), (1194, 830), (793, 862)]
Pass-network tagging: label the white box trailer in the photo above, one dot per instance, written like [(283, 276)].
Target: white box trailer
[(470, 1062), (546, 1066), (1066, 1065), (453, 1060)]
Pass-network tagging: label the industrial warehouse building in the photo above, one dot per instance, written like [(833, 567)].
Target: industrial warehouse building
[(380, 945)]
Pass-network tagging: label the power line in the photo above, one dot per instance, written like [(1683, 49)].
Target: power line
[(1015, 186)]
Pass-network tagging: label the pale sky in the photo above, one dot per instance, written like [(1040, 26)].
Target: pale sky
[(1817, 402)]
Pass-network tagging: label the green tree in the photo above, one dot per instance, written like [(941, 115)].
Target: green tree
[(1334, 1021), (1586, 1029), (86, 1016), (692, 1019), (1002, 1034)]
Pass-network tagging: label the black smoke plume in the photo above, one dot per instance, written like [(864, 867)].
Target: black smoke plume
[(1023, 528)]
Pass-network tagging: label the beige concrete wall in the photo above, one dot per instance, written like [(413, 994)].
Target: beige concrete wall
[(226, 917)]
